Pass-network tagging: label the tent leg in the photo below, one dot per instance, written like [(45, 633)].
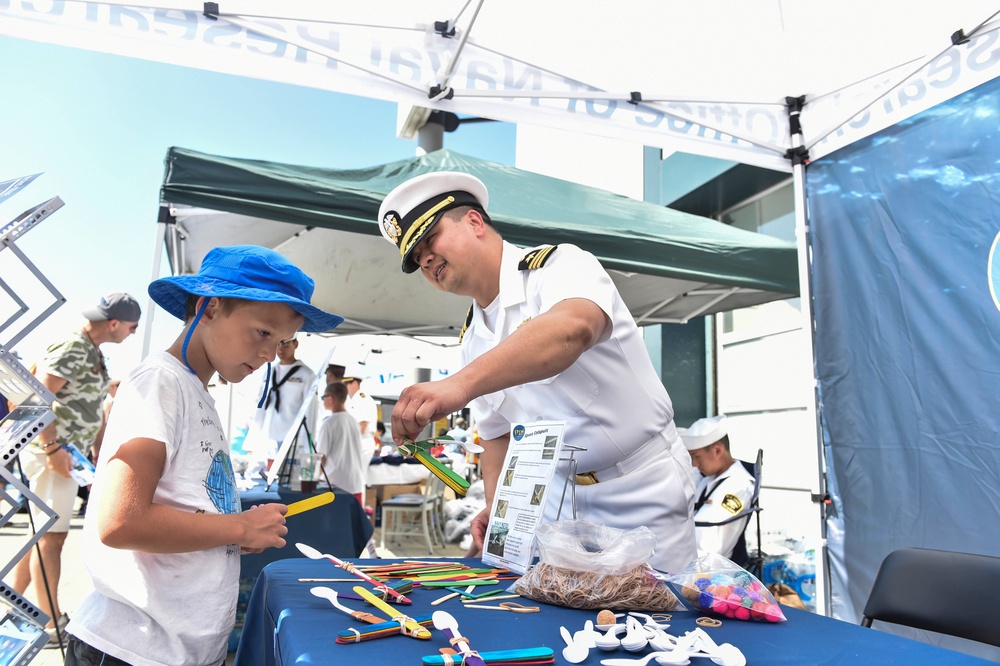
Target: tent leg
[(161, 236), (802, 240)]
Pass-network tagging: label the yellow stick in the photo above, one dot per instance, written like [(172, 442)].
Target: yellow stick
[(415, 629), (310, 503)]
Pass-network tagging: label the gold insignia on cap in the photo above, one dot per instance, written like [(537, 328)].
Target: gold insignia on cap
[(536, 258), (419, 225), (391, 225), (732, 504)]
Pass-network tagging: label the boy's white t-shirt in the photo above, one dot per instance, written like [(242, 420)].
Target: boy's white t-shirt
[(347, 457), (164, 609)]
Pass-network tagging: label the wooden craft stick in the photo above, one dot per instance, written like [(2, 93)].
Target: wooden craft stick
[(310, 503), (445, 598)]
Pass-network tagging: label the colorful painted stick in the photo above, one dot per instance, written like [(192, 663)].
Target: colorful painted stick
[(422, 452), (415, 629), (314, 554)]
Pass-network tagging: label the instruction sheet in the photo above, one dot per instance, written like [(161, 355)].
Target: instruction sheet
[(519, 501)]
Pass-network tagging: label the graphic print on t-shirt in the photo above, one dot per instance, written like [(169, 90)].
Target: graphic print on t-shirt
[(221, 484)]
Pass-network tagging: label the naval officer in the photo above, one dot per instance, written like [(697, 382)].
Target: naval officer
[(548, 338)]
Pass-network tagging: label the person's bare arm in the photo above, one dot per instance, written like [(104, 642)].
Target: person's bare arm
[(540, 348), (60, 461), (491, 464), (128, 517)]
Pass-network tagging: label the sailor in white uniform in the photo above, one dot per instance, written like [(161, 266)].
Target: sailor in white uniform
[(724, 489), (547, 338)]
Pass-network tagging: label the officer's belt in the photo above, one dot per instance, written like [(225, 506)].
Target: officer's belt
[(635, 460)]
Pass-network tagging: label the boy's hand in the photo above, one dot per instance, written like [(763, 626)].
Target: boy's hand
[(265, 527)]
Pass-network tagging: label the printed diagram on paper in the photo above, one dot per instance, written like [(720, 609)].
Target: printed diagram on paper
[(519, 500)]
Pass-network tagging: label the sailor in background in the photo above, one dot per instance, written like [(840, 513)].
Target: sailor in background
[(289, 383), (725, 486), (363, 408)]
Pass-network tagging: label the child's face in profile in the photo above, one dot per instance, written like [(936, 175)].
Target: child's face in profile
[(247, 337)]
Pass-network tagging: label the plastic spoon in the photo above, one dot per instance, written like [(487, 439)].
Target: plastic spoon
[(635, 637), (728, 654), (574, 653), (609, 640), (472, 448), (660, 657), (331, 596), (448, 625)]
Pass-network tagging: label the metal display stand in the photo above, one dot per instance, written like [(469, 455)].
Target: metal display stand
[(22, 624)]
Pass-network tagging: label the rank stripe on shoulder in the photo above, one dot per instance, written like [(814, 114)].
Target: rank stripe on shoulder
[(468, 320), (536, 258)]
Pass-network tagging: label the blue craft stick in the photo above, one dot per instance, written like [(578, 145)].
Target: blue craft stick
[(498, 655), (371, 628)]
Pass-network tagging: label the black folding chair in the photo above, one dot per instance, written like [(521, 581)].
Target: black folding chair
[(936, 590), (754, 564)]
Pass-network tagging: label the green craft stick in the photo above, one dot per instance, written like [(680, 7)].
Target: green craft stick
[(474, 594), (451, 583)]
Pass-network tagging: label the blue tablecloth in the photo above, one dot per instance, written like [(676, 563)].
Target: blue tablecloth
[(286, 625), (340, 528)]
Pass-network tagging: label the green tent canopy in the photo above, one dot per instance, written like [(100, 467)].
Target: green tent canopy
[(669, 266)]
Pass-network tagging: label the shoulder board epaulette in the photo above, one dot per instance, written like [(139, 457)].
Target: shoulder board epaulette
[(361, 394), (536, 258), (468, 320)]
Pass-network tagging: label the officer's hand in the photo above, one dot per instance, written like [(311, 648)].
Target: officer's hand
[(420, 404), (478, 528)]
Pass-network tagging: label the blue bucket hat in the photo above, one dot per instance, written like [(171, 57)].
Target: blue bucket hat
[(248, 272)]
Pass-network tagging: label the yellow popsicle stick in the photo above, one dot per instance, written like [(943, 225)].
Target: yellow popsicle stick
[(310, 503), (414, 629)]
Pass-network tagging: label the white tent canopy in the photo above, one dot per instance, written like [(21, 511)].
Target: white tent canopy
[(708, 79)]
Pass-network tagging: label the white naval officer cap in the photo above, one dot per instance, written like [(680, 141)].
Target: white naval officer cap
[(412, 209), (704, 432)]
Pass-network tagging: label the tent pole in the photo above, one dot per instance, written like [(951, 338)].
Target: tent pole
[(802, 242), (161, 235), (799, 156)]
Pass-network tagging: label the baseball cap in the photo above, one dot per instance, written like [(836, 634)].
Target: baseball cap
[(117, 305), (248, 272), (412, 209)]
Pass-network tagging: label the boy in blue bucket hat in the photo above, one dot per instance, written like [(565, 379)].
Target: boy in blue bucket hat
[(163, 545)]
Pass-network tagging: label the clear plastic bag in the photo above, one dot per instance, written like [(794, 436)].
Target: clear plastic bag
[(715, 584), (583, 565)]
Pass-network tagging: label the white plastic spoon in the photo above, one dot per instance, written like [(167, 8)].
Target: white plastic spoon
[(728, 654), (635, 637), (660, 657), (472, 448), (574, 653), (331, 596), (663, 641), (446, 623), (610, 641)]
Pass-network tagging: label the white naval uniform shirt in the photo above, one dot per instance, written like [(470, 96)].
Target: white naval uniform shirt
[(611, 399), (727, 499), (363, 408), (275, 423)]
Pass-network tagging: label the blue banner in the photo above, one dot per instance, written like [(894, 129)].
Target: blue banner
[(905, 282)]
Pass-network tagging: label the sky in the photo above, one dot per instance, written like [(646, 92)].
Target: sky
[(98, 128)]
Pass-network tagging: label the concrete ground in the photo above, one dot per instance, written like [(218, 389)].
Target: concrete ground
[(75, 583)]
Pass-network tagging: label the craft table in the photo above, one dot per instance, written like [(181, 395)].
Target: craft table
[(340, 528), (285, 625)]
